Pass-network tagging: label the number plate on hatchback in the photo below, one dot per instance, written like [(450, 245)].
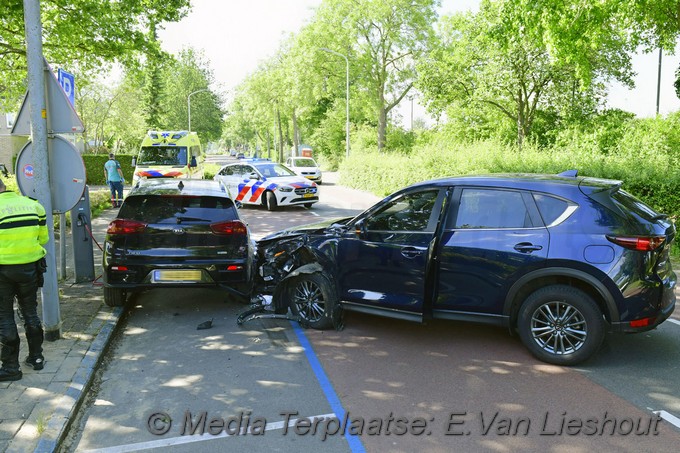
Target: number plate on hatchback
[(176, 276)]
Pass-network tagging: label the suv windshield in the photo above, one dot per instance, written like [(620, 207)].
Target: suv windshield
[(177, 209), (163, 155)]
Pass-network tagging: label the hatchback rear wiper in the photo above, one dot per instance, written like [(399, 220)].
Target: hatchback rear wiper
[(180, 219)]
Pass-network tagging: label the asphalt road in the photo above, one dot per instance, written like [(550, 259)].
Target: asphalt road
[(444, 386)]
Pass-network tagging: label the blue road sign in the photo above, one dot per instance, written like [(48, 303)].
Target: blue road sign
[(67, 82)]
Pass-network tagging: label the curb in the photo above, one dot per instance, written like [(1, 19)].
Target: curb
[(73, 398)]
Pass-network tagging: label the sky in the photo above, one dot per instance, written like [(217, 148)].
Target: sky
[(237, 35)]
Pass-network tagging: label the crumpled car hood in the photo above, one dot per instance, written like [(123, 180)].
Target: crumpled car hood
[(304, 229)]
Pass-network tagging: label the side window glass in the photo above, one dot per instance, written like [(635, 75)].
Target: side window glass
[(492, 208), (551, 208), (410, 212)]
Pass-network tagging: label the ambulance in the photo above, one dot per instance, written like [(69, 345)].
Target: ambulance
[(169, 154)]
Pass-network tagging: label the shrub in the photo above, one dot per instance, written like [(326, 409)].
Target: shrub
[(94, 167)]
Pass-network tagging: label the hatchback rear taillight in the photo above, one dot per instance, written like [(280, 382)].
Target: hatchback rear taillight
[(640, 243), (229, 227), (123, 226)]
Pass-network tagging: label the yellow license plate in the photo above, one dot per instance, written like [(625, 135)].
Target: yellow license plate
[(177, 276), (308, 195)]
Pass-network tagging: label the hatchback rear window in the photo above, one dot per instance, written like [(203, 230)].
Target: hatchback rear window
[(628, 203), (177, 209)]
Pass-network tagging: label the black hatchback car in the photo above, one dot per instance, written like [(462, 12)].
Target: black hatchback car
[(560, 259), (176, 233)]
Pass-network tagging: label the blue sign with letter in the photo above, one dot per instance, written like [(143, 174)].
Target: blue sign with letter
[(67, 82)]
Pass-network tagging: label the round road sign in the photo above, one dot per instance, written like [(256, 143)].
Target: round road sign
[(67, 173)]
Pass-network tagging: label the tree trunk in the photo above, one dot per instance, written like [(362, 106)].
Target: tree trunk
[(296, 135), (520, 120), (278, 117), (382, 128)]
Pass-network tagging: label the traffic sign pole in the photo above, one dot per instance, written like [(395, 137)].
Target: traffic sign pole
[(38, 114)]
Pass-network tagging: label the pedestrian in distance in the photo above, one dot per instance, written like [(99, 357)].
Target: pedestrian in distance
[(23, 232), (115, 180)]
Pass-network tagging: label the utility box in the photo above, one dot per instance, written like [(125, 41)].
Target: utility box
[(81, 229)]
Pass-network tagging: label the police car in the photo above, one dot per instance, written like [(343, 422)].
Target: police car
[(267, 183)]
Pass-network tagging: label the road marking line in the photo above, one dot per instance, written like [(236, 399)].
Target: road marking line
[(674, 321), (354, 442), (168, 442), (314, 213), (670, 418)]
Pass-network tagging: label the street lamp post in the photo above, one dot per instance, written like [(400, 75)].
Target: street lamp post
[(346, 93), (189, 103)]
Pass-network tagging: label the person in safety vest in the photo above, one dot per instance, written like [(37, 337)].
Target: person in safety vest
[(23, 231)]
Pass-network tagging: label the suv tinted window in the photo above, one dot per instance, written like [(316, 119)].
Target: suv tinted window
[(409, 212), (551, 208), (628, 203), (170, 208), (492, 208)]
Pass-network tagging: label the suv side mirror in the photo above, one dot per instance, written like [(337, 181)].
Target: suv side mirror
[(254, 175), (192, 162), (134, 161), (360, 228)]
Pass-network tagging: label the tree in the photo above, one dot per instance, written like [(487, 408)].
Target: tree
[(188, 72), (490, 61), (384, 39), (80, 33)]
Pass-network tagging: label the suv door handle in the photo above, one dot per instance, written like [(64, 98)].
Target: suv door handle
[(411, 252), (527, 247)]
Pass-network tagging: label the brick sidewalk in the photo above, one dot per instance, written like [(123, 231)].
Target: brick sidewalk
[(37, 409)]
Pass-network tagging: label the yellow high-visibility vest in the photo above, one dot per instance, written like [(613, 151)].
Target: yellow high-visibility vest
[(23, 229)]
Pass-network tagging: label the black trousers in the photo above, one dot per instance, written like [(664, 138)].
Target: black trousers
[(20, 280)]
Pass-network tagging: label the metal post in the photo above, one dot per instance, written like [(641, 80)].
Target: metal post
[(62, 246), (189, 104), (346, 94), (658, 83), (36, 101)]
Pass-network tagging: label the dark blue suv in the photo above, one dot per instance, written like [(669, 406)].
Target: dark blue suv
[(558, 259)]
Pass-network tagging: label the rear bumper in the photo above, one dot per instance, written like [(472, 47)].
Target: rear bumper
[(213, 275), (664, 314)]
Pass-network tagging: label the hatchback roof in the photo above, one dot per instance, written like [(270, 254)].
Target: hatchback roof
[(172, 186)]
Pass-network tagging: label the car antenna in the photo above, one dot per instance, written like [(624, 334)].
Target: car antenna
[(180, 186)]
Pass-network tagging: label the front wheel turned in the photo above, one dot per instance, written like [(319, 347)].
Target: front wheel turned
[(561, 325), (271, 201), (311, 300)]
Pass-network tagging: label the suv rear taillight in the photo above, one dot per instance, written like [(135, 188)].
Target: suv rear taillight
[(640, 243), (123, 226), (229, 227)]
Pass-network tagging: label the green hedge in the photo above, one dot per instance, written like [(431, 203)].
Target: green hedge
[(94, 167), (650, 174)]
